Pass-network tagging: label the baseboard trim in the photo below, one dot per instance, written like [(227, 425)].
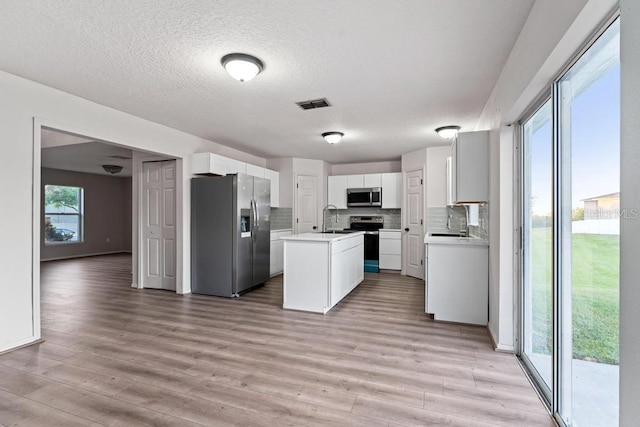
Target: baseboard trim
[(500, 347), (20, 344), (84, 255)]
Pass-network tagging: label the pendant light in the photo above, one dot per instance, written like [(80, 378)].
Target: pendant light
[(241, 66)]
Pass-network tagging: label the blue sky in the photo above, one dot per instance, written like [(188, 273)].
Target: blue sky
[(595, 145)]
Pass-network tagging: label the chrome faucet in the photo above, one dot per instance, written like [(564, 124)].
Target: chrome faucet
[(324, 211)]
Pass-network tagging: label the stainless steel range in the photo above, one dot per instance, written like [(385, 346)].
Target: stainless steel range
[(371, 226)]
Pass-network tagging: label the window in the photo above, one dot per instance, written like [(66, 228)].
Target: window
[(62, 214)]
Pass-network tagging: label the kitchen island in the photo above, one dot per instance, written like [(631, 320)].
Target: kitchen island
[(320, 269)]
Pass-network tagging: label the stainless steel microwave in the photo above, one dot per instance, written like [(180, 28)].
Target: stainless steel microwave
[(361, 197)]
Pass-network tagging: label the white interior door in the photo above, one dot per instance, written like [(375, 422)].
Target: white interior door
[(306, 204), (159, 225), (414, 234)]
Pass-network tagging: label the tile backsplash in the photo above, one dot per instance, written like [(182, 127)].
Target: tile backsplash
[(437, 220), (392, 217), (281, 218)]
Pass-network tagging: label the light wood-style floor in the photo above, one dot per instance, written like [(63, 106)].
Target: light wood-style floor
[(117, 356)]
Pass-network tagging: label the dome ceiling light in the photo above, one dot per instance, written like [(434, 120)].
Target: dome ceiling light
[(112, 169), (448, 132), (241, 66), (332, 137)]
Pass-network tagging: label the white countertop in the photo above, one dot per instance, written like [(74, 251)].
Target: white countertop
[(390, 229), (444, 240), (282, 229), (322, 237)]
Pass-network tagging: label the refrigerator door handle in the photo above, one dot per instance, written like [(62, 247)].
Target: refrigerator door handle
[(257, 214), (254, 222)]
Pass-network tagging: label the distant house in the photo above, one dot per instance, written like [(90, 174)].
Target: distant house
[(606, 206)]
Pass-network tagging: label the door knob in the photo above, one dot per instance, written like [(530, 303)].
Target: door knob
[(406, 229)]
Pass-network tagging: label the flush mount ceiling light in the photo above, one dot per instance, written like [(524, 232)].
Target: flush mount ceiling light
[(332, 137), (241, 66), (448, 132), (112, 169)]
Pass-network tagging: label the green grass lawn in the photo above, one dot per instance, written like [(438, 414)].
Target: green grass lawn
[(594, 291)]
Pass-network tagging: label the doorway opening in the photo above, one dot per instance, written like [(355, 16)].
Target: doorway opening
[(88, 201)]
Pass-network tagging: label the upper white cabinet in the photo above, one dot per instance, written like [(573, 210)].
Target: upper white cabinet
[(469, 178), (372, 180), (274, 177), (254, 170), (210, 163), (355, 181), (337, 191), (391, 184), (236, 166)]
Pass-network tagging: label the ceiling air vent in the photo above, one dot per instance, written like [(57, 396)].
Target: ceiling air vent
[(315, 103)]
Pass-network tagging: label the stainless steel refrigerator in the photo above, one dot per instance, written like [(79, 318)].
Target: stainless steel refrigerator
[(230, 234)]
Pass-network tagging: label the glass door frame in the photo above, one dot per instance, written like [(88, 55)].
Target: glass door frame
[(561, 356), (545, 393)]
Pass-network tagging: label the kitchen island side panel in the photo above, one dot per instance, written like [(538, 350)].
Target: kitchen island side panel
[(306, 279)]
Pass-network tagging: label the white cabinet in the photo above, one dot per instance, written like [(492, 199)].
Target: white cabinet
[(469, 178), (320, 270), (337, 191), (274, 177), (347, 268), (390, 249), (372, 180), (391, 184), (277, 251), (457, 282), (214, 164), (254, 170), (209, 163), (364, 181), (355, 181), (236, 166)]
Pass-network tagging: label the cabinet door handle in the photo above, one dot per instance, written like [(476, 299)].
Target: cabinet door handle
[(406, 229), (315, 228)]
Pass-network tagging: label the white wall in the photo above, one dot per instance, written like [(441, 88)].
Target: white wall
[(285, 168), (21, 101), (436, 176), (553, 33), (361, 168), (318, 168), (630, 223)]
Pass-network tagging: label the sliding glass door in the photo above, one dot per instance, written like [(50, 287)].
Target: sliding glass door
[(570, 227), (537, 229)]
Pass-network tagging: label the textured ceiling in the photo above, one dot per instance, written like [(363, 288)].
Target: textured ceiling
[(393, 70)]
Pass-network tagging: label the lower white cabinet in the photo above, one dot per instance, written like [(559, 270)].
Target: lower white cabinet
[(457, 282), (277, 251), (346, 267), (390, 249)]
